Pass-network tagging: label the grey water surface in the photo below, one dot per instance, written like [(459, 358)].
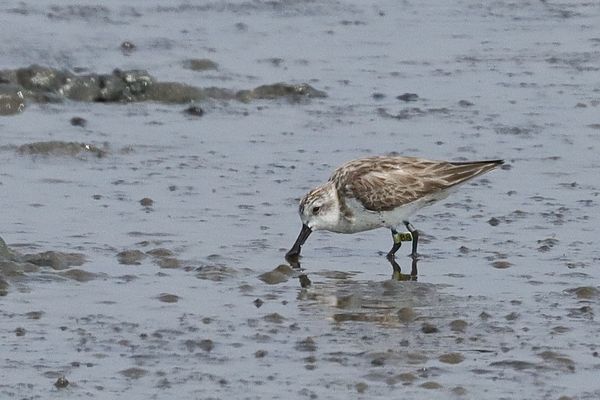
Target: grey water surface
[(153, 153)]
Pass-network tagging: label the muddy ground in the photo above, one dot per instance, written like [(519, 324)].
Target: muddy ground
[(144, 231)]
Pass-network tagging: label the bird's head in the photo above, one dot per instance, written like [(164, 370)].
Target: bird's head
[(319, 209)]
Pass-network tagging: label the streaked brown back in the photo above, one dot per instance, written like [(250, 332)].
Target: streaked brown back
[(384, 183)]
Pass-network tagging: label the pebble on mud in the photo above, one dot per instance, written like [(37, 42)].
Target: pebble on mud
[(260, 353), (406, 314), (168, 262), (133, 373), (585, 292), (307, 344), (61, 383), (458, 325), (429, 328), (146, 202), (3, 287), (501, 264), (55, 259), (361, 387), (408, 97), (215, 273), (280, 274), (258, 303), (200, 64), (59, 148), (451, 358), (79, 275), (194, 111), (78, 121), (275, 318), (168, 298), (127, 47), (131, 257), (431, 385), (11, 100)]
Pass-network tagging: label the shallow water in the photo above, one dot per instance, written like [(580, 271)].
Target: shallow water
[(507, 290)]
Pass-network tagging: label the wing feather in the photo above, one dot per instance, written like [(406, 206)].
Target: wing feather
[(384, 183)]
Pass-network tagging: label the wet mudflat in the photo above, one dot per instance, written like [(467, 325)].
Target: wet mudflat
[(153, 155)]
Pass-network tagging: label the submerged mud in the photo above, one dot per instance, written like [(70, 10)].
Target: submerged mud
[(145, 240)]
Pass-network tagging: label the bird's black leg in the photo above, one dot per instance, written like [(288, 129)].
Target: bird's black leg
[(397, 244), (415, 240)]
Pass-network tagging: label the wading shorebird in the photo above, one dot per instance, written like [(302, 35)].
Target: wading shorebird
[(382, 192)]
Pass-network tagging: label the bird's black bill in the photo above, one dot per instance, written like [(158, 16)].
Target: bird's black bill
[(295, 250)]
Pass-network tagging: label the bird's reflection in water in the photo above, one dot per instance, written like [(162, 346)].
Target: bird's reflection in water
[(397, 274)]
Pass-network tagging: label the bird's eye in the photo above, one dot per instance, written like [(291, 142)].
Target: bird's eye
[(315, 210)]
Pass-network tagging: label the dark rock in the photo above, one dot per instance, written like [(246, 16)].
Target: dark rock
[(281, 90), (127, 47), (59, 148), (11, 100), (20, 331), (173, 92), (78, 121), (133, 373), (200, 64), (55, 259), (61, 383), (258, 303), (146, 202), (79, 275), (3, 287), (408, 97), (194, 111), (494, 221), (130, 257), (429, 328), (168, 298), (41, 78)]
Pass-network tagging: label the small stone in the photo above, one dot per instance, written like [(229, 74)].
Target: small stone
[(494, 221), (127, 47), (585, 292), (431, 385), (168, 262), (61, 383), (451, 358), (130, 257), (307, 344), (78, 121), (408, 97), (200, 64), (512, 316), (146, 202), (260, 353), (406, 314), (168, 298), (133, 373), (501, 264), (429, 328), (194, 111), (458, 325), (206, 344), (20, 331), (258, 303), (275, 318), (361, 387)]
